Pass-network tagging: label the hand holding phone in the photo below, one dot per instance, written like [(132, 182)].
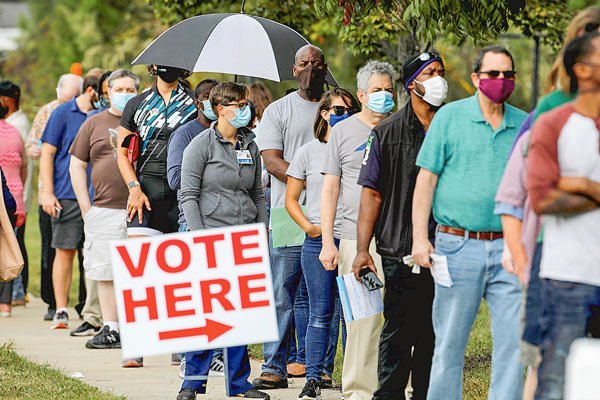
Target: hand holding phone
[(370, 279)]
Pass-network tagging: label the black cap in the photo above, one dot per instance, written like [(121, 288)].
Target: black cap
[(9, 89), (417, 63)]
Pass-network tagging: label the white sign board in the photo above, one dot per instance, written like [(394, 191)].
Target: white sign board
[(194, 291)]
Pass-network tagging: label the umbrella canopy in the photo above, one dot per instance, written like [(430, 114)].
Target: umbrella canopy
[(228, 43)]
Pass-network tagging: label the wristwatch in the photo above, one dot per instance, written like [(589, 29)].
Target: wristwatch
[(133, 184)]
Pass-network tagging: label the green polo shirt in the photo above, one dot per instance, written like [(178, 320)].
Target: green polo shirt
[(469, 158)]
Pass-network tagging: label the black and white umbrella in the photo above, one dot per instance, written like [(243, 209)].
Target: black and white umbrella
[(236, 44)]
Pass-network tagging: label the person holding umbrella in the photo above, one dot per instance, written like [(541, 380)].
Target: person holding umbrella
[(221, 186)]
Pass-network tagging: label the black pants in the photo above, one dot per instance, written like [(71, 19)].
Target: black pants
[(20, 233), (407, 338), (47, 259)]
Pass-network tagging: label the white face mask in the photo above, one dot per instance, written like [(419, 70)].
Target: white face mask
[(436, 90)]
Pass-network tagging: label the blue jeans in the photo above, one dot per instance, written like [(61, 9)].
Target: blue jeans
[(476, 273), (566, 312), (287, 273), (238, 370), (322, 294), (297, 340), (533, 303)]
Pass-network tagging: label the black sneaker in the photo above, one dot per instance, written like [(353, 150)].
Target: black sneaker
[(186, 394), (311, 391), (85, 329), (106, 339), (217, 366), (50, 314), (255, 394)]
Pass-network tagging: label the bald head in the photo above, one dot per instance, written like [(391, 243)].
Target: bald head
[(309, 51), (69, 86)]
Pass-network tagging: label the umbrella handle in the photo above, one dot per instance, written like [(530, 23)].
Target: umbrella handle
[(243, 3)]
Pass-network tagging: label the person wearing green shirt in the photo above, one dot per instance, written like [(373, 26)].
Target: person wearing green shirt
[(462, 160)]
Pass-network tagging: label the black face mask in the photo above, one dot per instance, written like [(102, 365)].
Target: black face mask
[(3, 111), (311, 80), (168, 74)]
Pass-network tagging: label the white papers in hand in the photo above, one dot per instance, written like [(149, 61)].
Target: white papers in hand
[(439, 270), (357, 301)]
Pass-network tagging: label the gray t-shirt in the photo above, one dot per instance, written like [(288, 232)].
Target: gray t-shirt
[(343, 158), (286, 125), (307, 165)]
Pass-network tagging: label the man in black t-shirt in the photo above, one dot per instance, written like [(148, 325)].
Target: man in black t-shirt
[(388, 177)]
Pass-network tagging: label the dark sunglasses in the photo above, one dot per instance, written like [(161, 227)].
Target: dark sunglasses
[(495, 74), (591, 27), (426, 56), (340, 110)]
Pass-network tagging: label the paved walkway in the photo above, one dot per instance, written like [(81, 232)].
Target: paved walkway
[(33, 338)]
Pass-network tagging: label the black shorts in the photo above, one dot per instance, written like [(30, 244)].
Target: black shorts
[(163, 218), (67, 230)]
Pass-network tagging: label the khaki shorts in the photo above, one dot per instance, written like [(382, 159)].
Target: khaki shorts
[(101, 226)]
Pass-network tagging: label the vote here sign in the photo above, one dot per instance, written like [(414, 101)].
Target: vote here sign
[(194, 291)]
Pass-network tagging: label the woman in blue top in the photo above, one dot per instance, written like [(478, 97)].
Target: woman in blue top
[(304, 173)]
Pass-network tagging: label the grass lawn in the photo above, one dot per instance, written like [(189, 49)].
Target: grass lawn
[(17, 375), (477, 359)]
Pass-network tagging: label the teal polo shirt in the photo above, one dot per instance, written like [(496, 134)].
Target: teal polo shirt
[(468, 157)]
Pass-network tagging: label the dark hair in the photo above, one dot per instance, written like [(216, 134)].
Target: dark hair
[(578, 49), (496, 49), (205, 82), (252, 112), (261, 97), (227, 92), (103, 78), (320, 126), (89, 80)]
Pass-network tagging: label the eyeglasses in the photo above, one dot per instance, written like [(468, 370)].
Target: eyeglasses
[(495, 74), (426, 56), (240, 106)]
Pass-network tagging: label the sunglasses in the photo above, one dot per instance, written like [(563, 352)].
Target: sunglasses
[(341, 110), (495, 74), (426, 56), (591, 27)]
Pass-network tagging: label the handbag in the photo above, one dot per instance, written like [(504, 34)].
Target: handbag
[(132, 142), (11, 259)]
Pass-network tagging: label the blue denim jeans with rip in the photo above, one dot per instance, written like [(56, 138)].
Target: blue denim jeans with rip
[(477, 274), (567, 308), (322, 295)]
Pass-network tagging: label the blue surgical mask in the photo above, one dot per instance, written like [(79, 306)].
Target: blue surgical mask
[(119, 100), (381, 102), (242, 117), (334, 119), (208, 112)]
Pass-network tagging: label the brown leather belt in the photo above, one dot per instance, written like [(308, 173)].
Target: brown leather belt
[(473, 235)]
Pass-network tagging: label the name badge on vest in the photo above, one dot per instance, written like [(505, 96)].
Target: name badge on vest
[(244, 157)]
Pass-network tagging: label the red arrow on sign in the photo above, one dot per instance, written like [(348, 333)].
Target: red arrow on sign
[(212, 330)]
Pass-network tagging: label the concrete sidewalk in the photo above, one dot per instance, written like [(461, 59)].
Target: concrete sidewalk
[(33, 338)]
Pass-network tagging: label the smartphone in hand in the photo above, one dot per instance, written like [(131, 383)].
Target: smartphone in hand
[(370, 279)]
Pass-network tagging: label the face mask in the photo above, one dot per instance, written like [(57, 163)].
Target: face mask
[(311, 80), (208, 112), (334, 119), (168, 74), (381, 102), (119, 100), (436, 90), (241, 119), (497, 90)]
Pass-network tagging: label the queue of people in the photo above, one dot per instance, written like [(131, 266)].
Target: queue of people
[(475, 180)]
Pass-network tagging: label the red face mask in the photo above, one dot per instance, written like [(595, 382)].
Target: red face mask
[(497, 90)]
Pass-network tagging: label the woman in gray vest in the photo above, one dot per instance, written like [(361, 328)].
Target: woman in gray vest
[(221, 186)]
